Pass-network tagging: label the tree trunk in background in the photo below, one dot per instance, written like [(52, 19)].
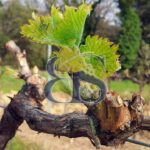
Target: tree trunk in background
[(141, 88)]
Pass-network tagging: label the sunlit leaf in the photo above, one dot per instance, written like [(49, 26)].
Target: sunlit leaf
[(59, 29), (69, 60), (104, 49), (64, 30)]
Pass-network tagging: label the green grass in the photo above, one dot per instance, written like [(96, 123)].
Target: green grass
[(8, 81), (61, 85), (125, 88), (18, 144)]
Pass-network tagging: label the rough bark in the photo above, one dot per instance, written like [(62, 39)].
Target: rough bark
[(20, 108), (25, 106), (145, 123), (125, 117)]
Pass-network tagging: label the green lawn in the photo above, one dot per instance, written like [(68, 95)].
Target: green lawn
[(18, 144), (125, 88), (8, 80)]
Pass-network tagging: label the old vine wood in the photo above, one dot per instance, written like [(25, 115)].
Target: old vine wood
[(113, 120)]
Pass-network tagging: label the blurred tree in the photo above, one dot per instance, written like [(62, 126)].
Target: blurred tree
[(101, 23), (103, 29), (144, 12), (11, 19), (130, 37), (92, 21), (141, 69), (1, 4), (124, 4)]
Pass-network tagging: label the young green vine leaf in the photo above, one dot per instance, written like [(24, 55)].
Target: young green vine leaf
[(102, 55), (97, 57), (59, 29), (70, 61)]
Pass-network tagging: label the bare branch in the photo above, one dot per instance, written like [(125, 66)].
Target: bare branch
[(21, 58), (22, 108)]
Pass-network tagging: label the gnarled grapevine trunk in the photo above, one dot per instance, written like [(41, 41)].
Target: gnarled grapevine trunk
[(109, 123)]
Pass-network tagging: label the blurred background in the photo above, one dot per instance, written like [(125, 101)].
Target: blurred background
[(125, 22)]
